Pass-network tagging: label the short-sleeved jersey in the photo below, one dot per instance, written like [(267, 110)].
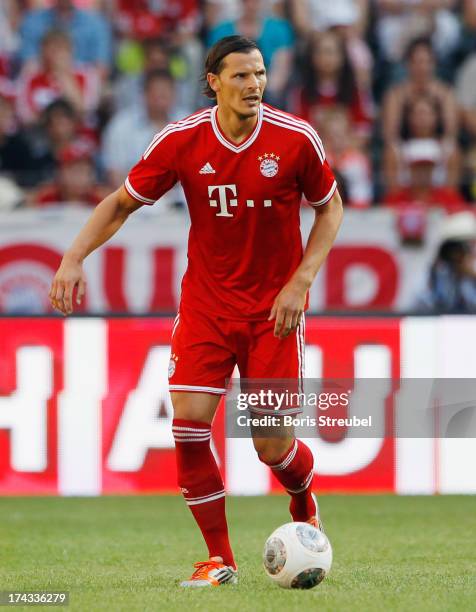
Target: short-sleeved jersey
[(244, 201)]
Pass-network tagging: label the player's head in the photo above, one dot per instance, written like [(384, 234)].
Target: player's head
[(235, 75)]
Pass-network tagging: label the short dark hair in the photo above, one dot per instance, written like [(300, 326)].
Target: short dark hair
[(60, 105), (159, 75), (56, 34), (421, 41), (155, 41), (219, 51)]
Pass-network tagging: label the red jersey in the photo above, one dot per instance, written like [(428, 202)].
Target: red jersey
[(244, 200)]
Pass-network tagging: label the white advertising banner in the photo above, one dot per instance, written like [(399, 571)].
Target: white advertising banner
[(140, 269)]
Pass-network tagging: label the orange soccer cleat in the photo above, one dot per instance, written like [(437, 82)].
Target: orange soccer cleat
[(315, 520), (211, 573)]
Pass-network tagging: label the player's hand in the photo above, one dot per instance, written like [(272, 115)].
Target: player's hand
[(69, 275), (288, 308)]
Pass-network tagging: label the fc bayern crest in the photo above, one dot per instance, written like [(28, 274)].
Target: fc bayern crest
[(269, 164), (172, 365)]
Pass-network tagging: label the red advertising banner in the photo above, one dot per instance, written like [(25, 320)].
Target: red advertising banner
[(85, 409)]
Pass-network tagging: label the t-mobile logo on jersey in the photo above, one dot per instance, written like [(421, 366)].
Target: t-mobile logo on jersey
[(223, 202)]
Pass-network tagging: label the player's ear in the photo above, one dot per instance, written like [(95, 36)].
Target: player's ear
[(213, 82)]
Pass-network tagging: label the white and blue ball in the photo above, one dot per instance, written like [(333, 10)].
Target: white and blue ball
[(297, 556)]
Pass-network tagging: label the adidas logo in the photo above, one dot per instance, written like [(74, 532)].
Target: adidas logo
[(207, 169)]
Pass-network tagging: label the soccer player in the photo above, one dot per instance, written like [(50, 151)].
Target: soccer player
[(243, 166)]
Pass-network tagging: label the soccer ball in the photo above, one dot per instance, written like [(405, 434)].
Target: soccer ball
[(297, 556)]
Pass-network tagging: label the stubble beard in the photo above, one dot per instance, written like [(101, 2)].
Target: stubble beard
[(243, 116)]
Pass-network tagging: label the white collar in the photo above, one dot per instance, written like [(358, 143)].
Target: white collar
[(247, 143)]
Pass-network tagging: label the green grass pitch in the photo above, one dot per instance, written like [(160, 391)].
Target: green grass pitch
[(129, 553)]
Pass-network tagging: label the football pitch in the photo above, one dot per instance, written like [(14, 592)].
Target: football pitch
[(129, 553)]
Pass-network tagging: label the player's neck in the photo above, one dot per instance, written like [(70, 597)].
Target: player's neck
[(235, 127)]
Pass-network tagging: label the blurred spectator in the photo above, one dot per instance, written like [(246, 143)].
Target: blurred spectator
[(89, 32), (11, 196), (177, 20), (423, 120), (451, 283), (129, 88), (400, 21), (275, 39), (321, 15), (329, 81), (422, 156), (75, 180), (16, 161), (466, 94), (469, 14), (55, 78), (345, 157), (10, 15), (468, 17), (58, 129), (470, 173), (421, 81), (216, 11), (130, 131), (349, 18)]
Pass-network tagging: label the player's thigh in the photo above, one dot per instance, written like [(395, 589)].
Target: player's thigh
[(268, 357), (202, 358), (195, 406)]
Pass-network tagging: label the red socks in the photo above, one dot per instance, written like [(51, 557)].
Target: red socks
[(202, 485), (295, 471)]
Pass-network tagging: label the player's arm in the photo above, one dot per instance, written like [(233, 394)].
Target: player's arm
[(289, 304), (107, 218)]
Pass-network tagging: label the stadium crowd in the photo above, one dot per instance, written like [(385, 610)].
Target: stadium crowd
[(388, 84)]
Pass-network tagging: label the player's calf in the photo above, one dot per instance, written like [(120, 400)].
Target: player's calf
[(202, 485), (295, 471)]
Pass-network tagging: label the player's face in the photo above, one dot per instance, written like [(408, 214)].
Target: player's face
[(241, 82)]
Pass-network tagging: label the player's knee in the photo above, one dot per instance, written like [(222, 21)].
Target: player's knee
[(199, 407), (271, 450)]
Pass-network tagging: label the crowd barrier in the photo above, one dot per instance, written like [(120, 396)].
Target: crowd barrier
[(140, 269)]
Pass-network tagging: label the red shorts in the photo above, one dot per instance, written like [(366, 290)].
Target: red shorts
[(206, 349)]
